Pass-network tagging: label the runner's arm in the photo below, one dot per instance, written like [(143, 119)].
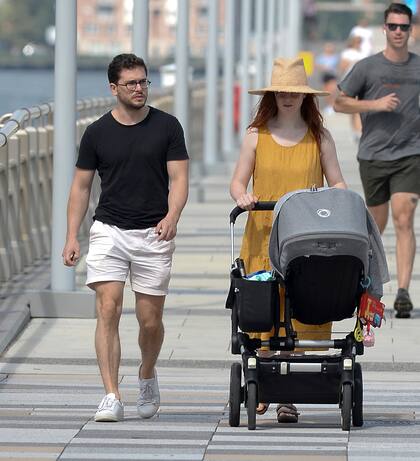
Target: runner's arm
[(348, 105)]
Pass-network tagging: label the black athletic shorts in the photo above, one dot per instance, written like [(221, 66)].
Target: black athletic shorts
[(381, 179)]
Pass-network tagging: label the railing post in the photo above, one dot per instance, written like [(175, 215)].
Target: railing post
[(15, 248), (5, 266)]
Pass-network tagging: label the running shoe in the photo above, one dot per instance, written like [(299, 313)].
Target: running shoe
[(403, 304)]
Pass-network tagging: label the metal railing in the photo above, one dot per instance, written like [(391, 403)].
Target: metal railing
[(26, 160), (26, 156)]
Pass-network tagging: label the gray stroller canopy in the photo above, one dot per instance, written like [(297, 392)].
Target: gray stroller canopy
[(327, 222)]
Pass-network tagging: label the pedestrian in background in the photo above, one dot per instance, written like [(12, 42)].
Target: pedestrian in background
[(141, 158), (286, 147), (326, 64), (363, 31), (384, 89), (348, 58)]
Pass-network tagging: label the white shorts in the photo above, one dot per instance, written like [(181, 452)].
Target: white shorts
[(115, 252)]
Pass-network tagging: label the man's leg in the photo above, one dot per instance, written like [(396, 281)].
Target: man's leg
[(149, 311), (109, 297), (380, 215), (375, 180), (403, 207)]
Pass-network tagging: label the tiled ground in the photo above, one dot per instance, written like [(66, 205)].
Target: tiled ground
[(49, 416)]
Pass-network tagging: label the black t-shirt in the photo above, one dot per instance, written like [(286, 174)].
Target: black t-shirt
[(131, 162)]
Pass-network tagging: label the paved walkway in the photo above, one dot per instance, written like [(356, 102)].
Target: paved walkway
[(50, 386)]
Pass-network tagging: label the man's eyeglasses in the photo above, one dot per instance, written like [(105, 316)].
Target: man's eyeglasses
[(393, 27), (132, 84)]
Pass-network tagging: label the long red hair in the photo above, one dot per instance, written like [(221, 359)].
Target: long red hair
[(267, 109)]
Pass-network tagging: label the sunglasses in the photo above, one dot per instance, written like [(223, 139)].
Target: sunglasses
[(393, 27)]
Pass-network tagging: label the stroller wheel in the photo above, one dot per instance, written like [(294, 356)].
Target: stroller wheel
[(357, 414), (252, 405), (235, 394), (346, 405)]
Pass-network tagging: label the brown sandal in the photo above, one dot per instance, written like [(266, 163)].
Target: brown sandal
[(262, 408), (287, 413)]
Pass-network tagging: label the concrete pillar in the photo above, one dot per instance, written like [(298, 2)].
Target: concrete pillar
[(259, 44), (270, 40), (182, 67), (62, 300), (281, 28), (140, 31), (294, 15), (212, 72), (228, 77), (62, 278), (245, 85)]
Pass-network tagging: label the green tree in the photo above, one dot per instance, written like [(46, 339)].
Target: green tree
[(23, 21)]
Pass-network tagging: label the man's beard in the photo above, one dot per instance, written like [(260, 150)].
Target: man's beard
[(131, 106)]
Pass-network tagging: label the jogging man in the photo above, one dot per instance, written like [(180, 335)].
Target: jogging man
[(141, 158), (384, 89)]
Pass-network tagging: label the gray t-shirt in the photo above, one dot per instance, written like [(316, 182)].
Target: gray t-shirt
[(387, 135)]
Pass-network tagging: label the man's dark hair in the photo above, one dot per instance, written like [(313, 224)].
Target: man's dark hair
[(123, 61), (398, 8)]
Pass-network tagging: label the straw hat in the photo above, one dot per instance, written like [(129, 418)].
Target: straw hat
[(289, 76)]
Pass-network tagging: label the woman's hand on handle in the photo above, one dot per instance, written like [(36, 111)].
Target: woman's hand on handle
[(247, 201)]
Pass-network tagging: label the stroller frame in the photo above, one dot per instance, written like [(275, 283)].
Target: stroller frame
[(291, 378)]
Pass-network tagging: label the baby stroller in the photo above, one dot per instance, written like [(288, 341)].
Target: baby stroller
[(326, 251)]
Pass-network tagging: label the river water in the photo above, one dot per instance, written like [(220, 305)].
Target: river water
[(29, 87)]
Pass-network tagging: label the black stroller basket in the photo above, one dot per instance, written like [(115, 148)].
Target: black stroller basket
[(312, 297)]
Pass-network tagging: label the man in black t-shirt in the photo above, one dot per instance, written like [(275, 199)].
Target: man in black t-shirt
[(142, 161)]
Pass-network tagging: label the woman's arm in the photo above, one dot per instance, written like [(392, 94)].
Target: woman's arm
[(243, 172), (329, 162)]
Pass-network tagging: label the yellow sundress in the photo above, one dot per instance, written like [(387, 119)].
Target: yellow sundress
[(279, 170)]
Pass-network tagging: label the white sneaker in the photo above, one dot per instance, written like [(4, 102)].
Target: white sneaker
[(149, 398), (110, 409)]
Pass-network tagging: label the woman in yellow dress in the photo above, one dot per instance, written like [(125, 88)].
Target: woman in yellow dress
[(286, 147)]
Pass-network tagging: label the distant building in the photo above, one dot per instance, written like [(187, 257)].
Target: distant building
[(104, 27)]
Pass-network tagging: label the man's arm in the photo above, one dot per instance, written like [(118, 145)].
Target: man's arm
[(349, 105), (177, 198), (76, 210)]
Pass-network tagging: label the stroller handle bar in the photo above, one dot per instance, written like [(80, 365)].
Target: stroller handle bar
[(259, 206)]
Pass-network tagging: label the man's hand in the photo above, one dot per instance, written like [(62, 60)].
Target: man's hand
[(388, 103), (247, 201), (166, 229), (71, 253)]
